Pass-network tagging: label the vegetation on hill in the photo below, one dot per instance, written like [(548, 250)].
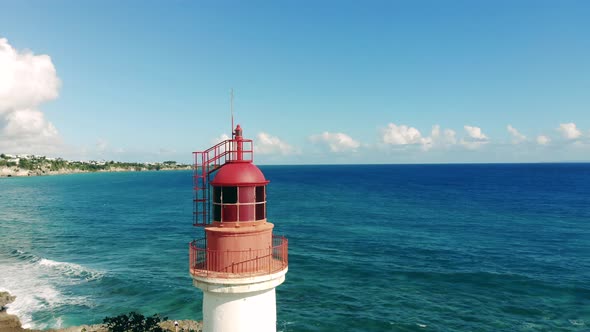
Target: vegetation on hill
[(38, 165)]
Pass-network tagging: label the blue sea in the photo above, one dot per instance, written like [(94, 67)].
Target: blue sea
[(499, 247)]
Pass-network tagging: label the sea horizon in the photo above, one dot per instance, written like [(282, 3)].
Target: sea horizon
[(371, 247)]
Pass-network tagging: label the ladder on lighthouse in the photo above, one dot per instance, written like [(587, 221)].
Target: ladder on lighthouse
[(206, 163)]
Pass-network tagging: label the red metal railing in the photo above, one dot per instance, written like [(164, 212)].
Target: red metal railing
[(207, 162), (237, 264)]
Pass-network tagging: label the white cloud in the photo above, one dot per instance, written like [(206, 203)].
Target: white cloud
[(264, 143), (26, 81), (337, 142), (447, 138), (543, 140), (517, 137), (475, 133), (220, 139), (475, 137), (406, 135), (569, 130), (402, 135), (268, 144)]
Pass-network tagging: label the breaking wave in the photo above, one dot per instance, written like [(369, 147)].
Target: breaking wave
[(38, 284), (70, 270)]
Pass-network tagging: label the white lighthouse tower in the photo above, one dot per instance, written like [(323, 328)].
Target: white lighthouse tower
[(239, 262)]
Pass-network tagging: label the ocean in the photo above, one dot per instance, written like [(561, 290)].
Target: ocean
[(496, 247)]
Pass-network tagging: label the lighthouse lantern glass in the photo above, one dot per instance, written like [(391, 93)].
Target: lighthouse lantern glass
[(239, 204)]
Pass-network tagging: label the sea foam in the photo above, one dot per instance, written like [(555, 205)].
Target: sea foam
[(36, 283)]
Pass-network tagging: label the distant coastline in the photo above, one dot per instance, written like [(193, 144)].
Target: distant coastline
[(31, 165)]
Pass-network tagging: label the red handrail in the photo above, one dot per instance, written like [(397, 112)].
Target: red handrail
[(207, 162), (237, 263)]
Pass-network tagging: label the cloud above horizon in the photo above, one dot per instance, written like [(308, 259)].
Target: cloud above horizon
[(569, 131), (517, 137), (336, 142), (475, 138), (402, 135), (446, 138), (543, 140), (27, 81), (268, 144)]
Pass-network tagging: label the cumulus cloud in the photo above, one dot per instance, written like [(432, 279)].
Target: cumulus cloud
[(475, 133), (268, 144), (26, 81), (337, 142), (406, 135), (445, 138), (517, 137), (402, 135), (569, 130), (475, 137), (543, 140)]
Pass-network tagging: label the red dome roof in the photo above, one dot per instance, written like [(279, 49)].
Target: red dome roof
[(238, 174)]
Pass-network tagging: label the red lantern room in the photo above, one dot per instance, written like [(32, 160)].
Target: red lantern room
[(232, 208), (239, 193)]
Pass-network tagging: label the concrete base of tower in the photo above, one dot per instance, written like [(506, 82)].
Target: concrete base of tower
[(240, 304)]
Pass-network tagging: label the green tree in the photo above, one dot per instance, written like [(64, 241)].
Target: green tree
[(134, 322), (25, 164)]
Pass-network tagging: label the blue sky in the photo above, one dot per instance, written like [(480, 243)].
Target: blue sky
[(314, 82)]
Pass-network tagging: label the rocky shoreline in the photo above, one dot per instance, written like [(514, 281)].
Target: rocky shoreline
[(11, 323)]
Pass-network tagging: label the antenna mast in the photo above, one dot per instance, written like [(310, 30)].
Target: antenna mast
[(232, 112)]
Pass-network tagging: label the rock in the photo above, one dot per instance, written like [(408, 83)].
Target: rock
[(82, 328), (183, 325), (9, 323), (5, 298)]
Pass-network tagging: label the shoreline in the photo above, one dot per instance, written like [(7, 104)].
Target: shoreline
[(12, 323), (6, 172)]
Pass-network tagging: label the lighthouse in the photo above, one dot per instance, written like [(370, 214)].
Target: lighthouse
[(239, 262)]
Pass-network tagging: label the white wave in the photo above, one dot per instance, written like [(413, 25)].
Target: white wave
[(577, 322), (25, 256), (71, 269), (32, 294), (59, 323), (37, 282)]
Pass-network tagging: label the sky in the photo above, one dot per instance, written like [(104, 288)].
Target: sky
[(315, 82)]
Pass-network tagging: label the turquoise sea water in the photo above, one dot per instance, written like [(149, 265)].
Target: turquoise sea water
[(371, 248)]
